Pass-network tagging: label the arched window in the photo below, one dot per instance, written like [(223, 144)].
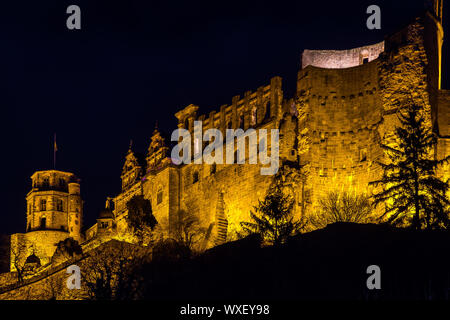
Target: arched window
[(195, 177), (159, 196), (363, 154)]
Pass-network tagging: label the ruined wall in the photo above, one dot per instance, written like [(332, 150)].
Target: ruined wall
[(341, 110), (345, 107), (338, 59), (345, 114)]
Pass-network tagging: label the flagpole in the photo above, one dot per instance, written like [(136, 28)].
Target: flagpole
[(54, 151)]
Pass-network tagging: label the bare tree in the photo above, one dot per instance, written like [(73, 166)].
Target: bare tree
[(187, 230), (53, 287), (342, 207), (18, 259), (110, 271)]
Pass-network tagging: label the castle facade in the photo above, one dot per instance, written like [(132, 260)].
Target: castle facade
[(345, 107)]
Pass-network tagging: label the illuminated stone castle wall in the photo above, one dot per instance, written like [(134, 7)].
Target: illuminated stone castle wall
[(344, 108)]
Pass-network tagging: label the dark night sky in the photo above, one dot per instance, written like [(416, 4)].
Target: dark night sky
[(135, 62)]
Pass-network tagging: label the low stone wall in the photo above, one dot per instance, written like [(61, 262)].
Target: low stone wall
[(48, 284), (41, 243)]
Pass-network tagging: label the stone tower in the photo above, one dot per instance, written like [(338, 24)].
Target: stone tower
[(54, 213), (54, 203)]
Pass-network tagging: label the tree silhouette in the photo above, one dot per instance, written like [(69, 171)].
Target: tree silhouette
[(273, 218), (140, 217), (342, 207), (412, 193), (112, 271), (187, 229)]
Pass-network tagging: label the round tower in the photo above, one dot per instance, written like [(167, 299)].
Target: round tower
[(75, 211)]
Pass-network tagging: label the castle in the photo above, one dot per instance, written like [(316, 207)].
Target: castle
[(344, 108)]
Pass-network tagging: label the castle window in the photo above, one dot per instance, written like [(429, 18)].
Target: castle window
[(254, 116), (322, 173), (195, 177), (293, 152), (59, 205), (229, 125), (159, 197), (241, 121), (62, 183), (43, 205), (267, 114), (365, 60), (363, 154), (46, 182), (186, 124)]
